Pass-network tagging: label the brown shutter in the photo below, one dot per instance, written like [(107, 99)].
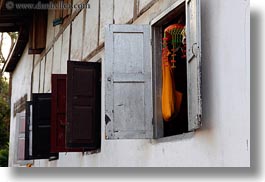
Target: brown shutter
[(83, 105), (63, 12), (58, 114), (38, 31)]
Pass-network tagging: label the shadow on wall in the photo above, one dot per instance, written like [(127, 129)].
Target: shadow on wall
[(209, 50)]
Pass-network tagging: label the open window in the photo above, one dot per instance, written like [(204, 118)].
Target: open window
[(38, 114), (134, 80), (89, 121), (69, 118), (38, 31)]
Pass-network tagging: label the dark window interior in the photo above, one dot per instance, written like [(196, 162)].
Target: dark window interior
[(179, 123)]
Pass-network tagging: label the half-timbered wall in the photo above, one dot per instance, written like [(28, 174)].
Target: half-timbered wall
[(225, 84)]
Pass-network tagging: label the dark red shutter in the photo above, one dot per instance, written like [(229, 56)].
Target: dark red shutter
[(58, 114), (83, 105), (41, 127)]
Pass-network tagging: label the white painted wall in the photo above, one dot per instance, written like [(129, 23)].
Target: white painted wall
[(224, 139), (21, 81)]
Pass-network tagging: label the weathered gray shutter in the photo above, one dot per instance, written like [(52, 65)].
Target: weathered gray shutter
[(20, 145), (129, 108), (193, 23)]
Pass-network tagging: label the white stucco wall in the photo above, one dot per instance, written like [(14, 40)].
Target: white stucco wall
[(21, 82), (224, 139)]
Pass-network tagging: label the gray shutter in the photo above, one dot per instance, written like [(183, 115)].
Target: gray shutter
[(193, 22), (129, 108), (20, 143)]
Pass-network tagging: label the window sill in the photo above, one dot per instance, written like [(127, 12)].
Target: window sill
[(173, 138)]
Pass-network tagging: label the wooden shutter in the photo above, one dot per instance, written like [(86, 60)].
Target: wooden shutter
[(129, 107), (28, 131), (21, 136), (193, 23), (20, 144), (38, 31), (62, 13), (58, 114), (83, 105), (41, 124)]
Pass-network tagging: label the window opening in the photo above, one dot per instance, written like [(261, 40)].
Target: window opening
[(174, 78), (170, 86)]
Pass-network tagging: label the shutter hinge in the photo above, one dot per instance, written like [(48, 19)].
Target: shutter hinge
[(198, 119), (195, 49)]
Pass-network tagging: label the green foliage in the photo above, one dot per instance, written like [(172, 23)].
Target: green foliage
[(4, 122), (4, 113), (4, 157)]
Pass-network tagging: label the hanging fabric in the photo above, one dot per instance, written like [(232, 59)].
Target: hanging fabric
[(171, 99)]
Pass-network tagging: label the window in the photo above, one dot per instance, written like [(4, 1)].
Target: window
[(81, 130), (38, 113), (69, 118), (38, 31), (62, 12), (134, 79), (20, 140), (58, 114)]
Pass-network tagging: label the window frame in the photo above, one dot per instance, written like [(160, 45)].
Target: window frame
[(157, 32), (156, 24), (191, 9)]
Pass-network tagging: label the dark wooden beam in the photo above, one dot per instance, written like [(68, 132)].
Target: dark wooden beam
[(9, 28), (17, 51)]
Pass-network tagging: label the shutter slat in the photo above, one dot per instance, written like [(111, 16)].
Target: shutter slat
[(193, 23), (83, 105), (128, 82)]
